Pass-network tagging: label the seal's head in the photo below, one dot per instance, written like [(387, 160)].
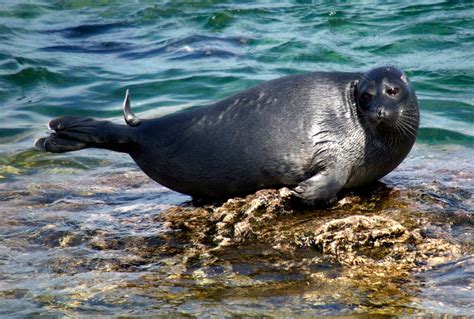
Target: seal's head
[(386, 101)]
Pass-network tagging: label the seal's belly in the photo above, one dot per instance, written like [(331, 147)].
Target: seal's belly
[(369, 173), (361, 176)]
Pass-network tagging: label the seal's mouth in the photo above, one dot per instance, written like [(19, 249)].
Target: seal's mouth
[(381, 115), (378, 115), (393, 122)]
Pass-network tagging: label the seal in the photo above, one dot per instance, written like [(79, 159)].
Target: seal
[(315, 133)]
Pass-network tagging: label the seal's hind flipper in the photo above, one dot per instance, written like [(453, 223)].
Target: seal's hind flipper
[(56, 144), (73, 133), (130, 118)]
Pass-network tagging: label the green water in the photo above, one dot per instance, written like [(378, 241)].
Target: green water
[(79, 57)]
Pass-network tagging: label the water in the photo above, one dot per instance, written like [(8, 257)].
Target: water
[(78, 232)]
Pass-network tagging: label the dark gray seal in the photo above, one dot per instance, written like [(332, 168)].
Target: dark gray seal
[(315, 133)]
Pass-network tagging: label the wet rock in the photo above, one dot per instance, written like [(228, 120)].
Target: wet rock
[(349, 237), (236, 221), (381, 229), (364, 250)]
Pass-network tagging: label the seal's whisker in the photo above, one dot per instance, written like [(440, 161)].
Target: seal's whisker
[(406, 128), (409, 119), (405, 123)]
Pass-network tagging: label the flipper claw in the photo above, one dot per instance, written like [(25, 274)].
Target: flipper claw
[(130, 118)]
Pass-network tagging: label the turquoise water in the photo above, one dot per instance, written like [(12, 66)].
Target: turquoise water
[(79, 57)]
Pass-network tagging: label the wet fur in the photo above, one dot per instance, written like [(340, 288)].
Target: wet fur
[(301, 131)]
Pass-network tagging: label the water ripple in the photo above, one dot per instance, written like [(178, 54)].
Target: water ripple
[(88, 30), (91, 47), (195, 46)]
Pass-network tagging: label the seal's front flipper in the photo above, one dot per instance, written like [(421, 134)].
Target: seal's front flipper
[(322, 187)]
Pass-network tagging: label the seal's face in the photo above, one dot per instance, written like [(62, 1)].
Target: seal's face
[(386, 100)]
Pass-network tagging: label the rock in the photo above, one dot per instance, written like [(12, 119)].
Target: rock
[(354, 233)]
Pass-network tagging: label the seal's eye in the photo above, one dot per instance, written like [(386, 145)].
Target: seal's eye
[(392, 91), (367, 97)]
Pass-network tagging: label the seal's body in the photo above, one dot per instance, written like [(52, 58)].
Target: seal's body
[(315, 133)]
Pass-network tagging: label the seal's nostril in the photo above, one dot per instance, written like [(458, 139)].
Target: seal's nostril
[(380, 113)]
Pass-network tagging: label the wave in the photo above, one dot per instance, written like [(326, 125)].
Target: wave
[(438, 136)]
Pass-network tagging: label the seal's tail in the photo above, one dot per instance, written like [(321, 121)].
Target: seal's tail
[(73, 133)]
